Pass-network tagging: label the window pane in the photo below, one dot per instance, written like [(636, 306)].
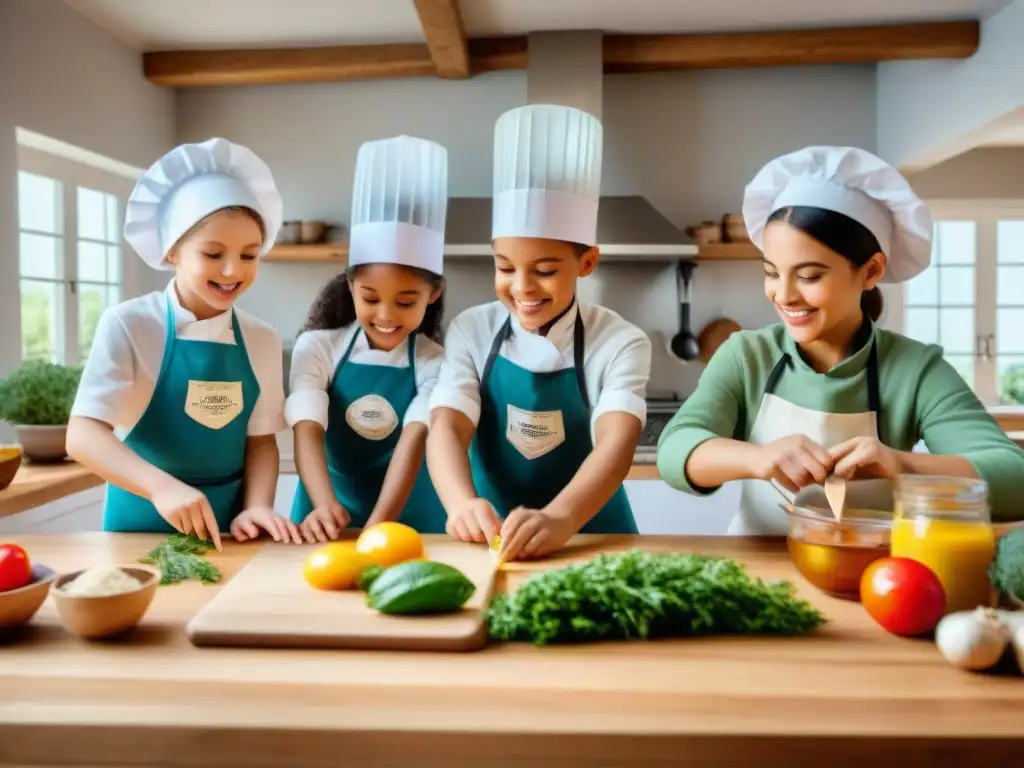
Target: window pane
[(41, 256), (1011, 242), (114, 263), (964, 364), (924, 289), (923, 325), (113, 225), (113, 295), (956, 286), (92, 300), (1009, 331), (1010, 285), (92, 216), (956, 330), (955, 242), (92, 261), (41, 320), (39, 205), (1011, 379)]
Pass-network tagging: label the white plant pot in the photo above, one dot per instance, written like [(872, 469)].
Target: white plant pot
[(43, 443)]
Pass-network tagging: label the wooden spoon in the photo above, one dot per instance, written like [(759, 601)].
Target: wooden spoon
[(835, 492)]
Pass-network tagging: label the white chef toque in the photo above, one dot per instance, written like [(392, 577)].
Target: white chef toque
[(188, 184), (547, 174), (399, 204), (853, 182)]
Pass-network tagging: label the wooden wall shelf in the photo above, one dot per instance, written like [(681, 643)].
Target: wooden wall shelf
[(322, 253), (745, 251)]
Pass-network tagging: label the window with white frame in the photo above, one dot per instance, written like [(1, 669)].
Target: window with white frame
[(970, 300), (71, 262)]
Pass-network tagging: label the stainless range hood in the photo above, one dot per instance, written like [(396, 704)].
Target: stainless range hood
[(566, 68)]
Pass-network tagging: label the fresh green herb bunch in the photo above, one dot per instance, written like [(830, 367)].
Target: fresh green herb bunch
[(39, 393), (640, 595), (179, 558)]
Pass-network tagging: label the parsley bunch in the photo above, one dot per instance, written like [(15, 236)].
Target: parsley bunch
[(641, 595), (179, 558)]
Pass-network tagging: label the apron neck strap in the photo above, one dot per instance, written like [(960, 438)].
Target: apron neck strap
[(172, 326), (411, 341), (874, 398), (351, 345), (578, 350)]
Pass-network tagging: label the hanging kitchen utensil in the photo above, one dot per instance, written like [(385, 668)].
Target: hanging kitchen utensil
[(684, 344), (714, 334)]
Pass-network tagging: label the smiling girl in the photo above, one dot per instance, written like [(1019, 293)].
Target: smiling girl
[(827, 391), (366, 362), (194, 385)]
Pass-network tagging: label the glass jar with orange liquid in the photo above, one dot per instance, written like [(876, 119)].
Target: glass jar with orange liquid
[(944, 523)]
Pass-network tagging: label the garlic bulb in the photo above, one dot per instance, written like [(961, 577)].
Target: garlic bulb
[(973, 639)]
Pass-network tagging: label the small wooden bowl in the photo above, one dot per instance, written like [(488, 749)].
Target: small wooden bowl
[(18, 606), (105, 616), (10, 462)]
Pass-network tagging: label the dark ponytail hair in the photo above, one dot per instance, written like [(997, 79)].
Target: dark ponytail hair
[(837, 232), (334, 307)]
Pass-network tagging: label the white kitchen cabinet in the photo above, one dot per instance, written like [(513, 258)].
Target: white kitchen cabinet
[(661, 509)]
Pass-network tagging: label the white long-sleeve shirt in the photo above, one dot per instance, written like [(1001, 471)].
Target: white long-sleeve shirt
[(316, 356), (616, 359), (128, 349)]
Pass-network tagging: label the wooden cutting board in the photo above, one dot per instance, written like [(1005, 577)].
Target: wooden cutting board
[(269, 604)]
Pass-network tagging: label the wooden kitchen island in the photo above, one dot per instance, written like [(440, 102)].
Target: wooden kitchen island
[(850, 695)]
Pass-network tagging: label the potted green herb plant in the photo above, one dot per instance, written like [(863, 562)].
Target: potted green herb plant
[(36, 400)]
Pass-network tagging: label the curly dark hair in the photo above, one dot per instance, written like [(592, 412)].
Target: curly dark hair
[(334, 307)]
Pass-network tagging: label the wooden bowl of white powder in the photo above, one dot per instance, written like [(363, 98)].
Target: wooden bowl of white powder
[(106, 601)]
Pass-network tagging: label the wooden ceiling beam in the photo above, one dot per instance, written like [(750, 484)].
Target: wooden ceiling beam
[(622, 53), (656, 53), (446, 37)]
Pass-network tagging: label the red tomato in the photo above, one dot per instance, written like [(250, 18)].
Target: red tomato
[(904, 596), (15, 567)]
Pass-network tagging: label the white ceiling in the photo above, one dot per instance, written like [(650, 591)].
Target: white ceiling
[(155, 24)]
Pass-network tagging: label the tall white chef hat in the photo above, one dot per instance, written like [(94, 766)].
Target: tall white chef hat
[(547, 173), (399, 203), (188, 184), (853, 182)]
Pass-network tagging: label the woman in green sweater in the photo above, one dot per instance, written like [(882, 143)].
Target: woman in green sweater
[(826, 390)]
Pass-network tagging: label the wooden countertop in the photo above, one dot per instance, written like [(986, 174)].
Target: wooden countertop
[(38, 484), (851, 694)]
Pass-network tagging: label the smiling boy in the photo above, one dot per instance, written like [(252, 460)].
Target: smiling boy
[(540, 402)]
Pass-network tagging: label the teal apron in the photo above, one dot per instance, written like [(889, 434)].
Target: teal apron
[(210, 459), (506, 477), (356, 463)]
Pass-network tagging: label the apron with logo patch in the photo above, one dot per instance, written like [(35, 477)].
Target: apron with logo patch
[(195, 428), (534, 434), (365, 412), (760, 510)]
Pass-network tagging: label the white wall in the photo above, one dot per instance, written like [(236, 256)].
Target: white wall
[(64, 77), (931, 110), (688, 141)]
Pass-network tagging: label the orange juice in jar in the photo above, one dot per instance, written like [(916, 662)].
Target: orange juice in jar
[(944, 523)]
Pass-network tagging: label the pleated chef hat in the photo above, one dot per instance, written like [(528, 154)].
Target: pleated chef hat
[(188, 184), (399, 203), (547, 174), (853, 182)]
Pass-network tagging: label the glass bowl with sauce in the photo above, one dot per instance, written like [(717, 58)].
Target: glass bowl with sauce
[(832, 554)]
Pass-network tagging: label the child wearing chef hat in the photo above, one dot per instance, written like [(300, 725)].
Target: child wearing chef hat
[(194, 384), (827, 391), (366, 362), (540, 403)]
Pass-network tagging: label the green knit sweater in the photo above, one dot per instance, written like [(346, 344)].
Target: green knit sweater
[(922, 397)]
